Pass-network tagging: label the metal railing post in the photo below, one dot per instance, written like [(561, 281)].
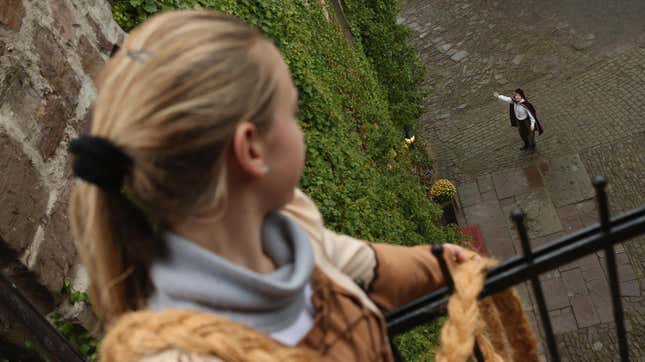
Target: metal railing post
[(518, 217), (44, 334), (600, 183)]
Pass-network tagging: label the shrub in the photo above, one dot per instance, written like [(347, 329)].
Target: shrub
[(443, 191)]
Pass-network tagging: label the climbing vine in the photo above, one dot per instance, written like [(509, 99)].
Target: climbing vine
[(396, 62), (79, 337)]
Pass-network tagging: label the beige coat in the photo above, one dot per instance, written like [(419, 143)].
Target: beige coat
[(348, 325)]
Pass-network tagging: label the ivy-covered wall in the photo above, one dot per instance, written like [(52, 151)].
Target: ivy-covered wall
[(356, 102), (396, 62)]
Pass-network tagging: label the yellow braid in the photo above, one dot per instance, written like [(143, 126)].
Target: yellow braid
[(493, 331), (497, 323), (518, 330), (138, 334), (457, 335)]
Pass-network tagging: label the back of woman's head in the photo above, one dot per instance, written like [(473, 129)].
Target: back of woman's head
[(169, 99)]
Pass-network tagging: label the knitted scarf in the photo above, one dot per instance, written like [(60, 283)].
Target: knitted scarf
[(191, 277), (529, 107)]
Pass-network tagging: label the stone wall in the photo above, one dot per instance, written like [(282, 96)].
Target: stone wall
[(50, 52)]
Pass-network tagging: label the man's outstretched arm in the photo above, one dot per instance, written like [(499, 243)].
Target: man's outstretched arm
[(503, 98)]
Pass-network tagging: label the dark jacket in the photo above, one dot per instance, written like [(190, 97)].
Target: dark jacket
[(530, 108)]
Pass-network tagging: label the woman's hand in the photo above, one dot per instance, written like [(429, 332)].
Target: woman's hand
[(495, 94), (455, 253)]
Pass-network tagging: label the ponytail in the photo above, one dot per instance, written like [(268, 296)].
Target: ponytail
[(116, 244), (116, 241)]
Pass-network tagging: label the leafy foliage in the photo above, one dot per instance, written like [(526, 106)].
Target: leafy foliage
[(421, 343), (397, 65), (75, 333), (443, 191)]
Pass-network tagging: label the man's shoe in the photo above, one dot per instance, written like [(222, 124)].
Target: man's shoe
[(525, 147)]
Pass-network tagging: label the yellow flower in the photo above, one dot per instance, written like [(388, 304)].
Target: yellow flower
[(442, 191)]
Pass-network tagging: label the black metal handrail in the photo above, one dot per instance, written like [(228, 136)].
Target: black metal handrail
[(518, 269), (45, 336)]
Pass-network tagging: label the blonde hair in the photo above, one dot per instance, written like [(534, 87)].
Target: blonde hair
[(497, 323), (170, 99), (144, 333)]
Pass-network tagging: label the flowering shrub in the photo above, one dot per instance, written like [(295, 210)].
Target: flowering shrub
[(442, 191)]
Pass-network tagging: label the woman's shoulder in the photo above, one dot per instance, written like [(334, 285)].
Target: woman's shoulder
[(302, 209)]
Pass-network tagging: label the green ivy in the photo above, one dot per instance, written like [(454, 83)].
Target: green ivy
[(73, 332), (74, 296), (398, 67), (355, 104), (421, 343)]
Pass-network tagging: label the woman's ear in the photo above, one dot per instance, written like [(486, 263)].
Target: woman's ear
[(248, 149)]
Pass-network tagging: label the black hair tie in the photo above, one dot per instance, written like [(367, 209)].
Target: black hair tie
[(100, 162)]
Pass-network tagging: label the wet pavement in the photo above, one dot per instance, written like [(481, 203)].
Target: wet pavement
[(582, 64), (614, 23)]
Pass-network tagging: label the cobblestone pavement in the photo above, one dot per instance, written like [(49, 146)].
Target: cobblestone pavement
[(586, 77)]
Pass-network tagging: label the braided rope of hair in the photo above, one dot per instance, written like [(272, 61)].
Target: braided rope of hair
[(497, 323), (492, 335), (458, 334), (487, 349), (144, 333), (518, 329)]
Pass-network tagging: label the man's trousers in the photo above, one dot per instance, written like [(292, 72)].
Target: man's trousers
[(527, 135)]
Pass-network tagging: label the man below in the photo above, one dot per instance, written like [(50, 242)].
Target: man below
[(523, 116)]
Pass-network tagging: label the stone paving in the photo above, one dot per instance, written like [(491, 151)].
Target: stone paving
[(586, 81)]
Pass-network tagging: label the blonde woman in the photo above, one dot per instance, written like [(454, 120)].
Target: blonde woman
[(198, 244)]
